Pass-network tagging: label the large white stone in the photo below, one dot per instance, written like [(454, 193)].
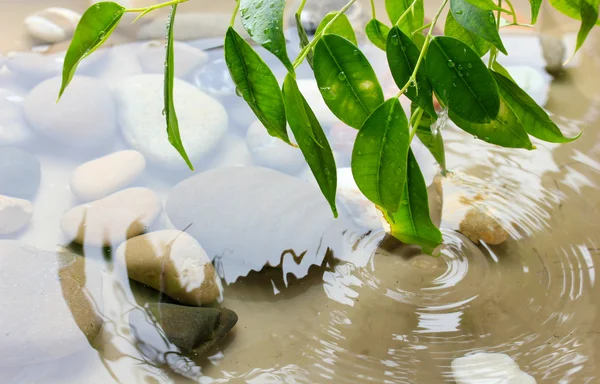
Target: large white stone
[(310, 91), (190, 26), (489, 368), (14, 214), (152, 57), (232, 152), (13, 129), (203, 120), (52, 25), (84, 117), (272, 152), (108, 174)]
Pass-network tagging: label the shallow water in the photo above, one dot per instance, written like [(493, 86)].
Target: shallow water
[(372, 310)]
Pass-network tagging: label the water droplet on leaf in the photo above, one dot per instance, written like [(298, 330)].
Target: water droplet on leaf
[(459, 12), (469, 65), (342, 76), (450, 63)]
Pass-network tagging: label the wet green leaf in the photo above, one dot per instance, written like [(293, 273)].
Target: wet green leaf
[(256, 84), (431, 137), (497, 67), (170, 114), (461, 80), (535, 10), (402, 56), (346, 80), (94, 28), (572, 8), (311, 140), (303, 39), (411, 223), (413, 20), (454, 29), (589, 17), (379, 155), (505, 130), (377, 32), (479, 21), (341, 26), (533, 118), (487, 5), (263, 20)]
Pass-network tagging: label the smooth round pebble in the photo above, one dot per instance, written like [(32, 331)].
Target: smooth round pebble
[(52, 25), (84, 117), (113, 219), (479, 225), (152, 57), (108, 174), (203, 120), (13, 129), (272, 152), (15, 214), (174, 263), (310, 90), (19, 173), (46, 306), (232, 152), (191, 26), (214, 79), (364, 212)]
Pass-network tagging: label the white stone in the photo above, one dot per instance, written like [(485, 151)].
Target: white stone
[(310, 91), (190, 26), (14, 214), (84, 117), (113, 219), (364, 212), (489, 368), (152, 57), (555, 52), (203, 120), (101, 177), (232, 152), (13, 129), (533, 81), (272, 152), (121, 62), (173, 262), (52, 25)]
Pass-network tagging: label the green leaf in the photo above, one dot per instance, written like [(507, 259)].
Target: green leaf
[(379, 155), (454, 29), (346, 80), (402, 56), (341, 26), (479, 21), (377, 32), (304, 39), (263, 20), (534, 119), (170, 115), (94, 28), (589, 17), (431, 137), (535, 10), (413, 20), (461, 80), (497, 67), (311, 140), (572, 8), (256, 83), (506, 130), (486, 5), (411, 223)]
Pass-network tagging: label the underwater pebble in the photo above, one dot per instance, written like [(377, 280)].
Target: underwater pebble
[(272, 152), (45, 301), (84, 117), (364, 212), (555, 53), (14, 214), (13, 129), (489, 368), (20, 173), (151, 55), (480, 225), (232, 152), (108, 174), (52, 25), (249, 217), (191, 26), (113, 219), (121, 62), (310, 90), (203, 120), (174, 263)]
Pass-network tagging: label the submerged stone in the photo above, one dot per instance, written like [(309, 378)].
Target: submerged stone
[(479, 225), (250, 217), (488, 368), (272, 152), (20, 173), (14, 214), (52, 25)]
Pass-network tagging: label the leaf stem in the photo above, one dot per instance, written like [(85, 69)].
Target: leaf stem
[(514, 13), (146, 10), (409, 9), (235, 12), (494, 51), (413, 77), (421, 28), (373, 9), (419, 114), (301, 7), (302, 55)]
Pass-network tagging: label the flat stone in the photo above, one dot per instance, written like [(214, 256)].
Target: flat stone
[(203, 120), (489, 368), (174, 263), (52, 25), (13, 129), (113, 219), (84, 117), (15, 214), (152, 57), (108, 174), (272, 152), (47, 305), (19, 173), (480, 225), (232, 152), (249, 217)]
